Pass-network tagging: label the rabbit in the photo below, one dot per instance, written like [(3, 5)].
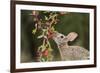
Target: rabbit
[(68, 52)]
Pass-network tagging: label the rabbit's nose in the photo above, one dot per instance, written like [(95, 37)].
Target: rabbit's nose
[(54, 34)]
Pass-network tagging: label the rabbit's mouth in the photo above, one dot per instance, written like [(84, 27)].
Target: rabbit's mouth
[(57, 41)]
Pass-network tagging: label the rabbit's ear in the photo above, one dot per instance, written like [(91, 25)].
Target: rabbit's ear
[(71, 36)]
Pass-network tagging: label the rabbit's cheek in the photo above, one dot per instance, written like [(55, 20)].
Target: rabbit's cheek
[(60, 39)]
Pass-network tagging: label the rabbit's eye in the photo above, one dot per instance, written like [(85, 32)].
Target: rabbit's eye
[(62, 36)]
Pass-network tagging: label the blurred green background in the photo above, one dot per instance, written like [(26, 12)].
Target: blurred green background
[(71, 22)]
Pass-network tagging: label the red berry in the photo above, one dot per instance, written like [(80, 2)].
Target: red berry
[(45, 53)]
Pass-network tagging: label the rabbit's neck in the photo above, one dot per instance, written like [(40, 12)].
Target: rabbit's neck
[(62, 47)]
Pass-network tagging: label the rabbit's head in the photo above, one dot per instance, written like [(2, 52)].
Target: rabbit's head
[(60, 38)]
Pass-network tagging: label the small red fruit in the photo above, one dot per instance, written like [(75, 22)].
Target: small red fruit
[(45, 53)]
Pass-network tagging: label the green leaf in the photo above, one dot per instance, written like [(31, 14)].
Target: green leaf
[(44, 30), (53, 28), (50, 57), (39, 48), (42, 59), (46, 18), (34, 31), (43, 48), (50, 49), (41, 36)]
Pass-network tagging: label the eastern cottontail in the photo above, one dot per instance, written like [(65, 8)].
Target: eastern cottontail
[(69, 52)]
